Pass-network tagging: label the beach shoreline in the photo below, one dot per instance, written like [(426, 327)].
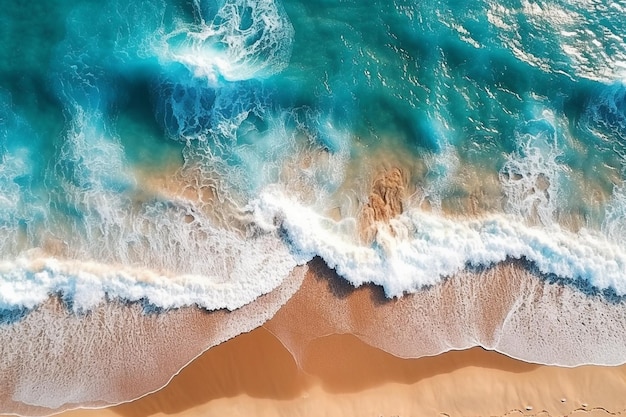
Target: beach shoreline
[(317, 356), (254, 374)]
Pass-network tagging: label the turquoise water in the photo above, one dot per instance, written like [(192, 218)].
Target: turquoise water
[(189, 152)]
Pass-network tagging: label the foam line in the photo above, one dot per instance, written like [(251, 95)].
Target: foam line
[(420, 248), (28, 282)]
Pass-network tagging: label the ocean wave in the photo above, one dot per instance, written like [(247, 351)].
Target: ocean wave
[(53, 360), (239, 40), (419, 249)]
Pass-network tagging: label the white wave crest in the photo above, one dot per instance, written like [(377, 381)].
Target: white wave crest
[(260, 266), (420, 249), (245, 39)]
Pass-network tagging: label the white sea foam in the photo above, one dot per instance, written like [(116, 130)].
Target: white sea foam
[(260, 266), (532, 175), (160, 250), (422, 248), (172, 253), (245, 39), (168, 251)]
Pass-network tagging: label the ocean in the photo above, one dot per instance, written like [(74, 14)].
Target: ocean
[(172, 157)]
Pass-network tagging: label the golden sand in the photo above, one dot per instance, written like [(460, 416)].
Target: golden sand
[(254, 375)]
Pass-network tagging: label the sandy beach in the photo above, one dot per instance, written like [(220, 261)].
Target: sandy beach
[(254, 375), (326, 374)]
